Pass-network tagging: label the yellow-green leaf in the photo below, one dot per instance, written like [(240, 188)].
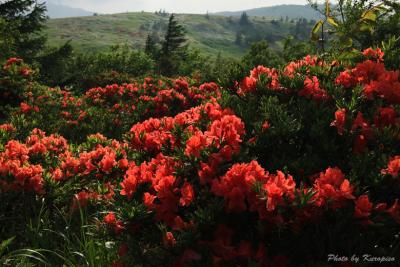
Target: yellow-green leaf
[(332, 21), (315, 29), (369, 15)]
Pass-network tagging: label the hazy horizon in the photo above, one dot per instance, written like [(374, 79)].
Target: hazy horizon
[(177, 6)]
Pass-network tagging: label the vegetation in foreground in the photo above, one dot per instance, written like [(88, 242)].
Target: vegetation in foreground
[(267, 166)]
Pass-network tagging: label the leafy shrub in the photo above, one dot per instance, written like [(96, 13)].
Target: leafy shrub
[(282, 168)]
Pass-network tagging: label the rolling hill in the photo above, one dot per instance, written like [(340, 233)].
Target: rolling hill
[(57, 10), (211, 34), (291, 11)]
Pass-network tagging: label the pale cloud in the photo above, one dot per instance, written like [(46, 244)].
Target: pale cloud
[(177, 6)]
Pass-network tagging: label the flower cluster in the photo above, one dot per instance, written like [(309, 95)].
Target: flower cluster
[(176, 174), (19, 173), (377, 82), (272, 77), (123, 105)]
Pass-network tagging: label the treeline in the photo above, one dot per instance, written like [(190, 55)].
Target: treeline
[(352, 24)]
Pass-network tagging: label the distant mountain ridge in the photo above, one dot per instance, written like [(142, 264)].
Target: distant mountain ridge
[(56, 10), (291, 11)]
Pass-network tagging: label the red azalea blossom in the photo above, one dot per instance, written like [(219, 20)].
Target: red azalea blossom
[(195, 144), (169, 239), (312, 90), (340, 120), (265, 126), (393, 167), (374, 53), (110, 219), (25, 108), (363, 207), (331, 185), (187, 193), (7, 127)]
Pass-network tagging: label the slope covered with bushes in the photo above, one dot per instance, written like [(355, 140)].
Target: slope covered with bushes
[(283, 168)]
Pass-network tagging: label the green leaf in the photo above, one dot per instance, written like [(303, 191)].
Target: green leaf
[(332, 21), (5, 244), (346, 41), (366, 28), (314, 31)]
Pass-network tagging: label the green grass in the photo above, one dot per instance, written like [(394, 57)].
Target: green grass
[(211, 36)]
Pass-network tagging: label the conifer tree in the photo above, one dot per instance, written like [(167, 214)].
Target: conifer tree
[(150, 47), (244, 19), (27, 18), (173, 47)]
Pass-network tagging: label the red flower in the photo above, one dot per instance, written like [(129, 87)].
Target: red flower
[(332, 187), (57, 174), (148, 199), (393, 167), (363, 207), (248, 85), (195, 144), (312, 90), (25, 108), (13, 60), (110, 219), (386, 86), (265, 126), (187, 193), (129, 184), (169, 239), (340, 120), (374, 53), (7, 128), (346, 79), (123, 164), (25, 71), (108, 162), (237, 185), (276, 187)]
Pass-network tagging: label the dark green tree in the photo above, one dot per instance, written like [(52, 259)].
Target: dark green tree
[(239, 38), (150, 46), (244, 19), (294, 49), (8, 35), (27, 18), (54, 64), (261, 54), (174, 47)]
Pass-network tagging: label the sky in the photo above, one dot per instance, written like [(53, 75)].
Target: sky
[(177, 6)]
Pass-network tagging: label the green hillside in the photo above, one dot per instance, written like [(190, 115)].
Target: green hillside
[(211, 34), (290, 11)]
